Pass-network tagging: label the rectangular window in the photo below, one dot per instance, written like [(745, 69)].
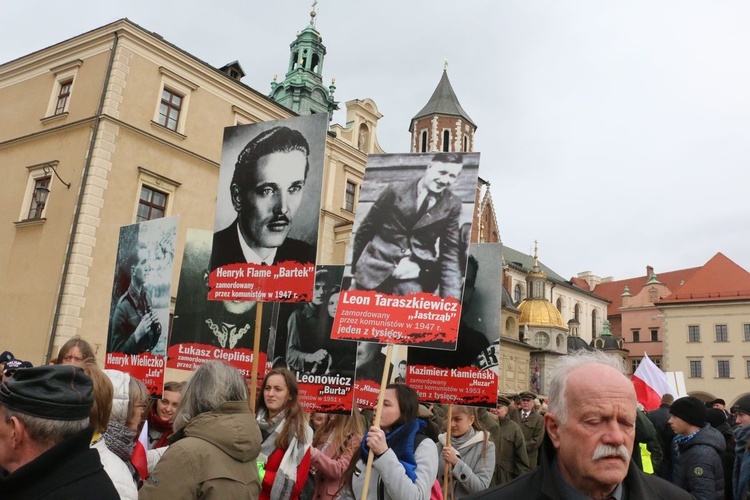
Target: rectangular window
[(746, 329), (36, 208), (169, 110), (721, 333), (657, 361), (723, 368), (747, 368), (634, 362), (349, 197), (636, 335), (694, 333), (152, 204), (654, 335), (696, 370), (62, 96)]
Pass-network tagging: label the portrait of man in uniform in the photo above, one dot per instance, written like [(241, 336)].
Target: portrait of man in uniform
[(135, 327)]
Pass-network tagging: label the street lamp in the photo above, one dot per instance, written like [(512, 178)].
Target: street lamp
[(42, 191)]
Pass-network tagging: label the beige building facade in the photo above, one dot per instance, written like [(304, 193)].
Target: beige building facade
[(134, 125), (707, 331)]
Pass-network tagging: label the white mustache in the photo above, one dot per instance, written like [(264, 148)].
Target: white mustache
[(606, 451)]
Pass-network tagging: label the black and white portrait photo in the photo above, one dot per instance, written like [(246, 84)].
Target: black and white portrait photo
[(406, 235), (270, 183)]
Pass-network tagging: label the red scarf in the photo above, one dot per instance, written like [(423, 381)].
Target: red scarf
[(163, 426)]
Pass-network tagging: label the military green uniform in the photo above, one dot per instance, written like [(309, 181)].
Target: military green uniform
[(533, 433), (511, 459)]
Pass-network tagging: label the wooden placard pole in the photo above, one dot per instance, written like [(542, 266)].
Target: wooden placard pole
[(256, 355), (376, 420), (447, 472)]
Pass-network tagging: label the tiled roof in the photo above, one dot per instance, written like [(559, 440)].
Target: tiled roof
[(443, 102), (581, 283), (612, 290), (720, 279), (523, 262)]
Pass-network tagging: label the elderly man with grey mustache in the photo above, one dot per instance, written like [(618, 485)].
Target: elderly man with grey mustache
[(590, 429)]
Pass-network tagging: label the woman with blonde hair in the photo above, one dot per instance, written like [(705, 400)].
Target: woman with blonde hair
[(286, 435), (470, 454), (334, 444)]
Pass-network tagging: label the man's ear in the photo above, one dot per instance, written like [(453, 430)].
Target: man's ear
[(553, 428), (18, 431), (234, 191)]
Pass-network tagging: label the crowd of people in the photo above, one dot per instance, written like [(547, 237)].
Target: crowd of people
[(69, 430)]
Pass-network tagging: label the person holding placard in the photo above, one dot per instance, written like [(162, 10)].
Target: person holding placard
[(471, 454), (287, 437), (406, 461)]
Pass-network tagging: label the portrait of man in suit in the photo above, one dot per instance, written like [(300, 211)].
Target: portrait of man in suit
[(266, 190), (409, 240)]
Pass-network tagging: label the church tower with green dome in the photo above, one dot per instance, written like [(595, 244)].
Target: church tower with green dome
[(302, 90)]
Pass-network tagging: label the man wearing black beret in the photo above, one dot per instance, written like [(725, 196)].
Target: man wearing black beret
[(697, 467), (45, 436)]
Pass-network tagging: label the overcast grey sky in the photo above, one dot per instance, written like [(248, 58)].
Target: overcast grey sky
[(616, 133)]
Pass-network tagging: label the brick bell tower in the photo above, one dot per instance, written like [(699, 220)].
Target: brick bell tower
[(442, 125)]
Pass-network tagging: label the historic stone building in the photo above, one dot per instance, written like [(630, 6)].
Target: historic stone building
[(120, 126)]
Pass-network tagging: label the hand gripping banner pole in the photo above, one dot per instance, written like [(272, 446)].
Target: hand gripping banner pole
[(376, 421)]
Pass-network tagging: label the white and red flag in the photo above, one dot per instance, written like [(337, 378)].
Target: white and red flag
[(139, 458), (650, 383)]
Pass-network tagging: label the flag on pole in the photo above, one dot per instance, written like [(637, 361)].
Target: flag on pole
[(139, 459), (650, 383)]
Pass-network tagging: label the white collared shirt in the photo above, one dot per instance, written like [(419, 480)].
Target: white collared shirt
[(251, 257)]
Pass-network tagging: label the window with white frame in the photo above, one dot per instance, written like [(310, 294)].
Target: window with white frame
[(747, 368), (31, 207), (350, 196), (722, 334), (151, 205), (694, 333), (446, 140), (174, 100), (423, 142), (62, 97), (62, 89), (746, 332), (634, 362), (169, 110), (155, 195)]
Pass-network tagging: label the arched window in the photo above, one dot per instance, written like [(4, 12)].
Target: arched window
[(466, 143), (559, 304), (577, 312), (517, 294), (424, 141), (315, 61), (446, 140)]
